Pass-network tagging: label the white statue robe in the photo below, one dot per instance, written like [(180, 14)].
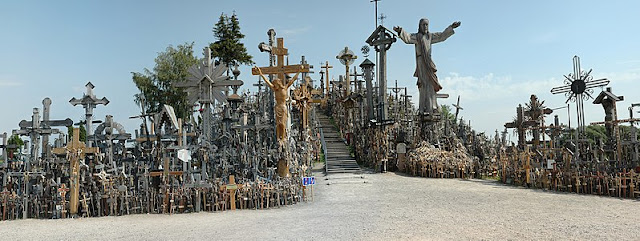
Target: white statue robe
[(428, 83)]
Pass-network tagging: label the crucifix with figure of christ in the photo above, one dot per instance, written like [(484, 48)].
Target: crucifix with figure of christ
[(281, 84), (280, 87), (75, 151)]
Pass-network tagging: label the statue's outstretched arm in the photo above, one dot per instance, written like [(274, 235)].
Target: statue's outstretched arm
[(444, 35), (406, 37), (263, 77), (295, 77)]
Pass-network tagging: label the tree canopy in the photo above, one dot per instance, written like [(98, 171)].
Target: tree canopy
[(83, 133), (446, 113), (227, 48), (156, 86)]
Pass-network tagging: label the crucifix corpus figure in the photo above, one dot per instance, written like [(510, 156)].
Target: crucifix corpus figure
[(428, 83), (281, 91)]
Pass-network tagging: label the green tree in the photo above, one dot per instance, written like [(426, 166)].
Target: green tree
[(156, 86), (446, 113), (13, 140), (83, 133), (227, 47)]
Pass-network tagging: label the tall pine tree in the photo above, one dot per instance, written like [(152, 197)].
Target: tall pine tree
[(227, 48)]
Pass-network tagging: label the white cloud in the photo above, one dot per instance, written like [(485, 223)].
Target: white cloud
[(621, 77), (6, 83), (491, 87), (295, 31), (9, 81)]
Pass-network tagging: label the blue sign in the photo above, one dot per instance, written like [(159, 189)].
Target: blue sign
[(306, 181)]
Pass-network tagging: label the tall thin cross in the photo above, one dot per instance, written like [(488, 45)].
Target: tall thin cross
[(396, 90), (376, 14), (578, 87), (458, 107), (357, 83), (326, 68), (303, 61)]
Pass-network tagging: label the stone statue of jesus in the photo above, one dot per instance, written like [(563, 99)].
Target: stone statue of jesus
[(428, 83)]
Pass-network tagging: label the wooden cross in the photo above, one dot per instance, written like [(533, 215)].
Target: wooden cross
[(458, 107), (280, 69), (268, 187), (75, 151), (231, 188), (326, 68), (85, 206), (304, 99), (63, 192), (527, 166), (520, 125)]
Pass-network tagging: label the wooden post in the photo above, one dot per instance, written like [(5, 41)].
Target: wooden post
[(527, 166), (231, 188)]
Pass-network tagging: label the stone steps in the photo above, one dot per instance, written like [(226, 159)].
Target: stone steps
[(338, 159)]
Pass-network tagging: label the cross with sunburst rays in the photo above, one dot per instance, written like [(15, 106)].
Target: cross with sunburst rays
[(578, 87)]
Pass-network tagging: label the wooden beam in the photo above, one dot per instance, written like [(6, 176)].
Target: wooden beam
[(287, 69)]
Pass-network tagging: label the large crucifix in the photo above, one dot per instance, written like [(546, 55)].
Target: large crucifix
[(75, 151), (281, 84)]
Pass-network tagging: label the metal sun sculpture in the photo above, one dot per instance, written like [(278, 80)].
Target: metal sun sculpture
[(579, 83), (365, 50), (578, 87)]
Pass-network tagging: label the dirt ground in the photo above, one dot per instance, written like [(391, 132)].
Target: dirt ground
[(386, 206)]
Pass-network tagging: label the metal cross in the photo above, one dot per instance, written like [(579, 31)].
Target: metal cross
[(578, 87), (382, 18), (376, 14)]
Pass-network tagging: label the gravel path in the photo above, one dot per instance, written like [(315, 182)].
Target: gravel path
[(374, 207)]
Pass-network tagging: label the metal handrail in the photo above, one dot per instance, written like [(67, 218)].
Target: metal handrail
[(324, 149)]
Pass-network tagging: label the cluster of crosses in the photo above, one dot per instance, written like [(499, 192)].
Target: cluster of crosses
[(570, 160), (236, 156)]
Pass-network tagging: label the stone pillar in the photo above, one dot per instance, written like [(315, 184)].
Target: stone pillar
[(367, 69)]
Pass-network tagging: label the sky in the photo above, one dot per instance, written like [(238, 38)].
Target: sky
[(503, 52)]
